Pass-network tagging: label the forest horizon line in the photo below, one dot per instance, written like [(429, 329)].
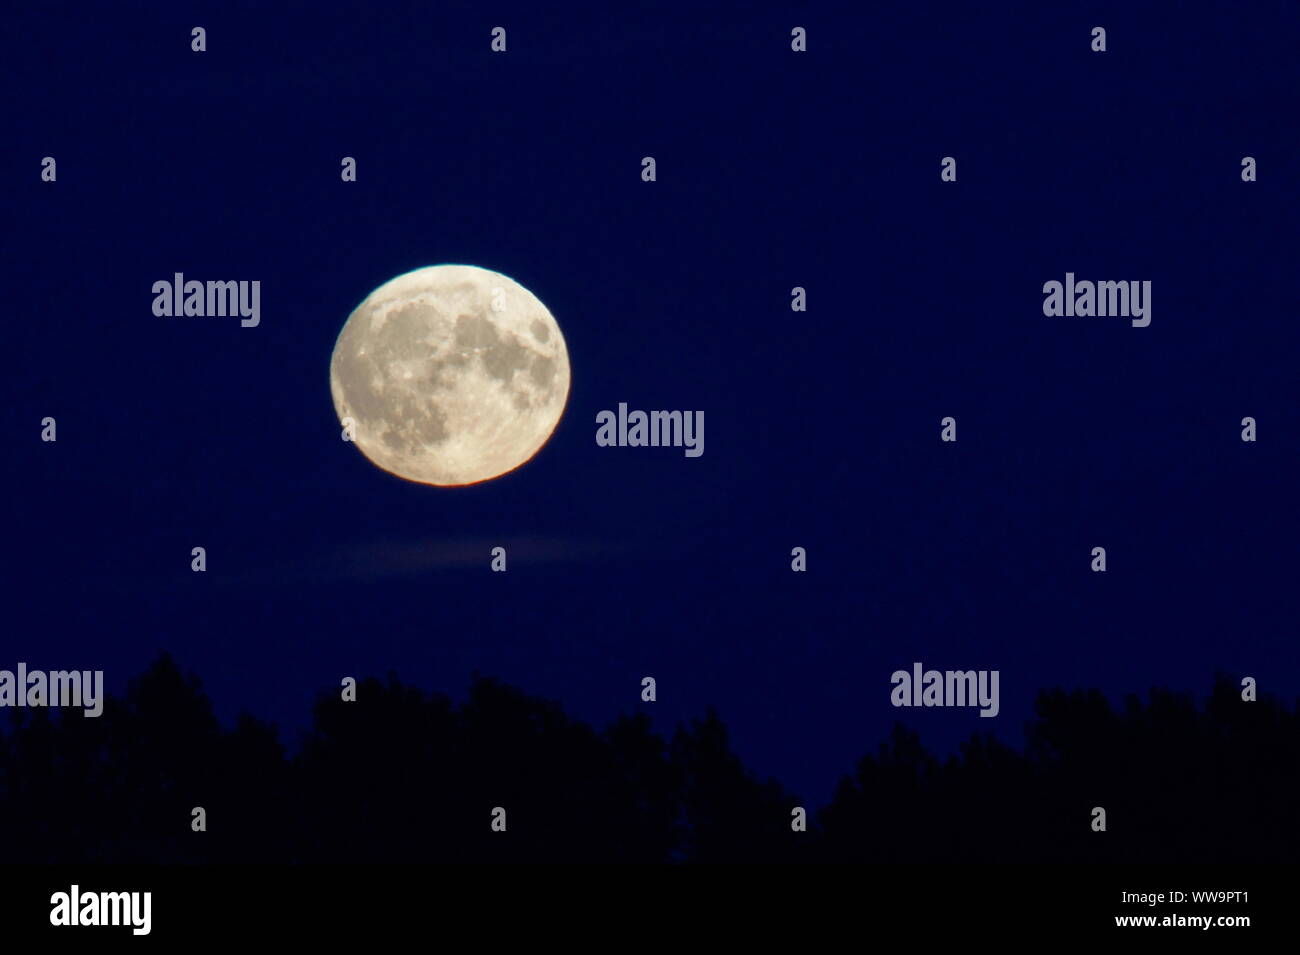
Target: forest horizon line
[(387, 772)]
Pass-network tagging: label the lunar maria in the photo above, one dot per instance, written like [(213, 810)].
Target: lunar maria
[(450, 375)]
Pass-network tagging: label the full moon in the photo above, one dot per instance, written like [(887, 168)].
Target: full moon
[(450, 375)]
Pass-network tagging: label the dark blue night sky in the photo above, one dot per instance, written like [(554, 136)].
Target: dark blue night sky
[(775, 170)]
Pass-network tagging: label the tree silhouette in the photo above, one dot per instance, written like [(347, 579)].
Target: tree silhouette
[(402, 776)]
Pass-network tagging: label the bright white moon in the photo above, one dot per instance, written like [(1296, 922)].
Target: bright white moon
[(452, 374)]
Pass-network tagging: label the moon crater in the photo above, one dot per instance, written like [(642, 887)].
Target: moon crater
[(452, 375)]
